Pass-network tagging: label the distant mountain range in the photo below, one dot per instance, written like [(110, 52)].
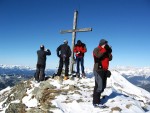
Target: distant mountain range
[(20, 70), (10, 75)]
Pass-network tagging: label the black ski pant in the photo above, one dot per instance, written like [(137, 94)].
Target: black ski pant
[(100, 85), (40, 72), (61, 63)]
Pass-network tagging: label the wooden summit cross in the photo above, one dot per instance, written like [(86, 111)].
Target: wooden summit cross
[(73, 31)]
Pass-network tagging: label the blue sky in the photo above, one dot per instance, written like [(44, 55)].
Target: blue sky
[(26, 24)]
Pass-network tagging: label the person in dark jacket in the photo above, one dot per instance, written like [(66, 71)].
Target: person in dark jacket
[(64, 52), (41, 63), (102, 55), (80, 49)]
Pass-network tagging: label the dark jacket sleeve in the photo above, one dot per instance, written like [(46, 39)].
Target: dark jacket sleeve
[(84, 48), (110, 57), (48, 52), (97, 53), (58, 49), (69, 51), (109, 51)]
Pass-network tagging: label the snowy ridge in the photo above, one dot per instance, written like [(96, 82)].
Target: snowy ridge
[(119, 83), (75, 96), (137, 76), (133, 71)]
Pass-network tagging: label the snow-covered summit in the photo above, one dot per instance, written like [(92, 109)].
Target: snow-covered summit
[(74, 96)]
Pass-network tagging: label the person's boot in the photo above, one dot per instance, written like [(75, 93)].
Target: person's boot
[(83, 75), (78, 75), (66, 77)]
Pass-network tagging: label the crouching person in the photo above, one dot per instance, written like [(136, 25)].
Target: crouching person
[(41, 63)]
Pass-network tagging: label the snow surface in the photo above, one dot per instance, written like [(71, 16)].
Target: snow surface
[(6, 89), (119, 93), (120, 96)]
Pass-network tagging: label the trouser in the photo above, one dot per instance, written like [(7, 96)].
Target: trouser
[(61, 63), (80, 61), (40, 72), (100, 85)]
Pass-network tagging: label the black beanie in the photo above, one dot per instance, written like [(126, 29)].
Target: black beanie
[(102, 42), (79, 42), (42, 47)]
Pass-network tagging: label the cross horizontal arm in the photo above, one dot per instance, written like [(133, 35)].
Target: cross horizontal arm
[(76, 30), (84, 30), (66, 31)]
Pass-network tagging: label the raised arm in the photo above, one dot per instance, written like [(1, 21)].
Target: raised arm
[(48, 52), (97, 53)]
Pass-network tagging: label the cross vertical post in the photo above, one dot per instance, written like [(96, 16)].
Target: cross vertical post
[(73, 40)]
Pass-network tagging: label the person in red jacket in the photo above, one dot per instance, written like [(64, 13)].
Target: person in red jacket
[(80, 49), (102, 55)]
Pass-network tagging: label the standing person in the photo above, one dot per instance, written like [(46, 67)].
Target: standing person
[(80, 49), (64, 52), (102, 55), (41, 63)]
